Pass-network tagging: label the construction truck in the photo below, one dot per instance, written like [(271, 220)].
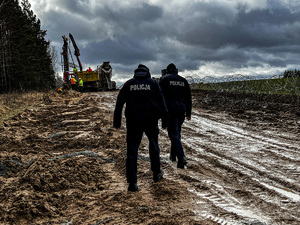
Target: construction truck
[(97, 80)]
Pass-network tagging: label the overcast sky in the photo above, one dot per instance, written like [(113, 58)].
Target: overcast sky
[(201, 37)]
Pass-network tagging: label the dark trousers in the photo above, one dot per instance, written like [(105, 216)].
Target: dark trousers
[(174, 132), (81, 89), (74, 87), (134, 137)]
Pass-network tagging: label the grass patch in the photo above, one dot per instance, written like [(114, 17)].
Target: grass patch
[(12, 104), (281, 86)]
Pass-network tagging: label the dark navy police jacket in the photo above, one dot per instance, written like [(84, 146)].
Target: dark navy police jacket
[(144, 101), (177, 94)]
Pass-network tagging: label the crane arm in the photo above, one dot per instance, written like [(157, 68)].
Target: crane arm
[(76, 52)]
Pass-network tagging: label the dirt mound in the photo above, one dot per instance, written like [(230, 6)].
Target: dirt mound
[(259, 109), (244, 101)]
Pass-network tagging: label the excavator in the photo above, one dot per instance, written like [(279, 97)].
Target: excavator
[(95, 80)]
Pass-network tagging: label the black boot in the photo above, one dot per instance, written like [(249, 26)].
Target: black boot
[(159, 176), (173, 158), (133, 187), (181, 163)]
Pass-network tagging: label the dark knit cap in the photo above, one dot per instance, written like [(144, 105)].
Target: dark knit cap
[(143, 67), (171, 67)]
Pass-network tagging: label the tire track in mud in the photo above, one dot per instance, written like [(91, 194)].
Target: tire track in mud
[(211, 200), (242, 132), (255, 150), (261, 184)]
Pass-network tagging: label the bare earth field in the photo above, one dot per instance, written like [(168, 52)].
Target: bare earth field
[(61, 162)]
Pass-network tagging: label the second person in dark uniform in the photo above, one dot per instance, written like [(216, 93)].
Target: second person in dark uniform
[(177, 95)]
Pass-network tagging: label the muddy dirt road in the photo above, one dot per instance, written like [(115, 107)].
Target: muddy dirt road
[(61, 162)]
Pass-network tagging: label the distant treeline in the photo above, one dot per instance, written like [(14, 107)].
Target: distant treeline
[(291, 73), (25, 55)]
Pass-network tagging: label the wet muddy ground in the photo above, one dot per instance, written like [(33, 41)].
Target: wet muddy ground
[(61, 162)]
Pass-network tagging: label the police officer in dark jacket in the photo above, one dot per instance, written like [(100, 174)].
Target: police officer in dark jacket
[(177, 95), (145, 105)]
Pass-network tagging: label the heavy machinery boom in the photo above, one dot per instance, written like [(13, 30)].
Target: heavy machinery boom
[(76, 52), (66, 58)]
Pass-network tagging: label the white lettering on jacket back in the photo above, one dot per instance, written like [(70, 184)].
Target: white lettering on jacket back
[(176, 83), (140, 87)]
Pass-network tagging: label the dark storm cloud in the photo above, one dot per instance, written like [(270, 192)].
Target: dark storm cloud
[(143, 13), (127, 51), (192, 34), (258, 28)]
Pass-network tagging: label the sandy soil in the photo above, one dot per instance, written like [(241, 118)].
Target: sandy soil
[(61, 162)]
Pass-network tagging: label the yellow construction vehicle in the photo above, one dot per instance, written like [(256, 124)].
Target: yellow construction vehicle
[(99, 79)]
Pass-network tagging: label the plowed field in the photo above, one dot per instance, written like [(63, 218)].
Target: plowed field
[(61, 162)]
